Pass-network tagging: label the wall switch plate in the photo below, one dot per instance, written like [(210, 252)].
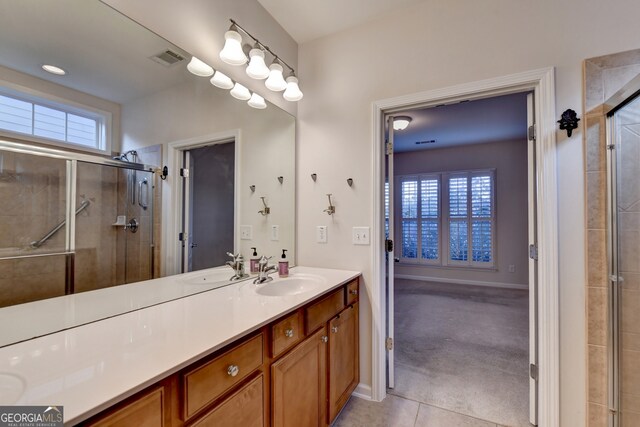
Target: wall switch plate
[(360, 235), (275, 233), (246, 232), (321, 234)]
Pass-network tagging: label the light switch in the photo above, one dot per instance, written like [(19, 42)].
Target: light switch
[(321, 234), (275, 233), (246, 232), (360, 236)]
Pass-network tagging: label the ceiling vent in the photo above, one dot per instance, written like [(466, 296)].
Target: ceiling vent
[(428, 141), (167, 58)]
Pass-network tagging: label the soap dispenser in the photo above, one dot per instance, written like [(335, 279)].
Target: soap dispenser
[(253, 262), (283, 265)]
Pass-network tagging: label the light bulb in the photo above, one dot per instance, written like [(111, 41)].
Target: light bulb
[(275, 82), (232, 52), (401, 122), (257, 101), (240, 92), (199, 68), (221, 80), (55, 70), (257, 69), (292, 93)]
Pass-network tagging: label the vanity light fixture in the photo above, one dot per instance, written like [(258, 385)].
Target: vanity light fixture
[(221, 80), (54, 70), (232, 52), (240, 92), (257, 69), (292, 92), (257, 101), (199, 68), (401, 122)]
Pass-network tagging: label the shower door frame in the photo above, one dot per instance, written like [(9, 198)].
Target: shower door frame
[(71, 158), (628, 93)]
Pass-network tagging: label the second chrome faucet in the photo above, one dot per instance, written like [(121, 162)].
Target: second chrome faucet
[(264, 269)]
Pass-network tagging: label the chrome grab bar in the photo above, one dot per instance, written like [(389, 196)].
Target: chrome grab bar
[(37, 243)]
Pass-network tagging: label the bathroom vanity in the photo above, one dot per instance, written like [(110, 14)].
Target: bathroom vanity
[(283, 353)]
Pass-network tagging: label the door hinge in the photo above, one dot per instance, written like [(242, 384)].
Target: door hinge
[(388, 245), (389, 343), (184, 173), (611, 147), (389, 148), (531, 133), (181, 236), (533, 371), (533, 252)]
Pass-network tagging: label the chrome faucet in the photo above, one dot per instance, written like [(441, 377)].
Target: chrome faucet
[(264, 269), (238, 266)]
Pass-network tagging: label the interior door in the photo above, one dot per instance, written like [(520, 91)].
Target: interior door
[(390, 259), (533, 265)]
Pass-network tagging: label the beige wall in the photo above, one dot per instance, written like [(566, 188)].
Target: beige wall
[(435, 44), (509, 159)]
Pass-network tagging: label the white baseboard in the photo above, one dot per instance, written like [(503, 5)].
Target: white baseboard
[(363, 391), (462, 282)]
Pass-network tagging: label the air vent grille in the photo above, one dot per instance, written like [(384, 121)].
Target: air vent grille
[(167, 58), (428, 141)]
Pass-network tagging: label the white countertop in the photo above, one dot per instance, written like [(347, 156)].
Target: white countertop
[(88, 368)]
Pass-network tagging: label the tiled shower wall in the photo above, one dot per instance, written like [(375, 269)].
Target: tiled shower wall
[(603, 76)]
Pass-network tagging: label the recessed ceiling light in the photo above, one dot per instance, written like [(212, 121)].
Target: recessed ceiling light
[(54, 70)]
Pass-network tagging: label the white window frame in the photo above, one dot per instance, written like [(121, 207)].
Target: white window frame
[(419, 178), (446, 219), (103, 118)]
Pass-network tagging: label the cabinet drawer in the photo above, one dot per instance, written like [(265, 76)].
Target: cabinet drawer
[(352, 292), (244, 408), (209, 381), (318, 313), (145, 411), (286, 333)]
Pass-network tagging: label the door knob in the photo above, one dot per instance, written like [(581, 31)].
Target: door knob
[(334, 329), (324, 338), (288, 333), (233, 370)]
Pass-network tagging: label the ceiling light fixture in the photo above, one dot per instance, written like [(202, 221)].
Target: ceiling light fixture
[(199, 68), (401, 122), (233, 54), (54, 70), (221, 80)]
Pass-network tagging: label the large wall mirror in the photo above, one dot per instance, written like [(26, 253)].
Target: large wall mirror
[(83, 206)]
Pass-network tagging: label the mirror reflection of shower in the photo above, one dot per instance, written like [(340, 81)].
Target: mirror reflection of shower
[(51, 246)]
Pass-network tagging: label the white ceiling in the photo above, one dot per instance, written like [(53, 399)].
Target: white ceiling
[(475, 122), (307, 20)]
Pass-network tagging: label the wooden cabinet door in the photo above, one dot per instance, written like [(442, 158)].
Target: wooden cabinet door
[(299, 384), (344, 370)]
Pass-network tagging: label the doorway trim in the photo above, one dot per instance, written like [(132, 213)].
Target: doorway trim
[(172, 193), (542, 83)]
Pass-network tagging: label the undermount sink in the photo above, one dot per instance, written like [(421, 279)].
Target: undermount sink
[(11, 388), (292, 285), (217, 276)]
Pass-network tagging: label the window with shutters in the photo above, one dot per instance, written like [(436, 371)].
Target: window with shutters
[(420, 218), (448, 219), (35, 118)]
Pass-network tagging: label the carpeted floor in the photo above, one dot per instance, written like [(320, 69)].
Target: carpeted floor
[(464, 349)]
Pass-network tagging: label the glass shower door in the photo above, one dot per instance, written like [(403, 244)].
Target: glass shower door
[(626, 257)]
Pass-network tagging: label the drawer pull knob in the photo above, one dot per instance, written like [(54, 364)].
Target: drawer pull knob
[(324, 338), (353, 292), (233, 370), (288, 333), (334, 329)]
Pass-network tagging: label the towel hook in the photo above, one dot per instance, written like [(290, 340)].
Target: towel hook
[(331, 209)]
